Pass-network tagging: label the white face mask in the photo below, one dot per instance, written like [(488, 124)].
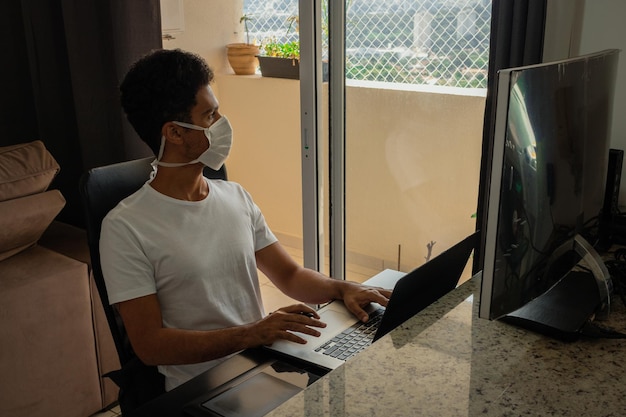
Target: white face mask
[(220, 137)]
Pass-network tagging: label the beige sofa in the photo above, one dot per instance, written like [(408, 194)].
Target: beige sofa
[(55, 345)]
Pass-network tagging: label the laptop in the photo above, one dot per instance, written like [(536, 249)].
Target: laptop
[(412, 293)]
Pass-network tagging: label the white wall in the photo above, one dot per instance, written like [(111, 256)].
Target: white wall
[(578, 27), (604, 27), (563, 26), (209, 26)]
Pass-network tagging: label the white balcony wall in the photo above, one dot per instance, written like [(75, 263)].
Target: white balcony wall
[(265, 114), (413, 166), (413, 163)]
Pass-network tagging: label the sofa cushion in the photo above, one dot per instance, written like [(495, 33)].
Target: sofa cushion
[(25, 169), (23, 220), (48, 354)]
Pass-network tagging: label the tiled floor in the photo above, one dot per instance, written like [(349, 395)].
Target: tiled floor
[(274, 299)]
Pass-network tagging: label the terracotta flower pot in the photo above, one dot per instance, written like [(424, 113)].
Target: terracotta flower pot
[(242, 58)]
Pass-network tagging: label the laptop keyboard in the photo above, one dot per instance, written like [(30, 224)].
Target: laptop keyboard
[(354, 339)]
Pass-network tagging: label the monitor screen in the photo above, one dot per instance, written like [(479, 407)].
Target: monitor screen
[(548, 174)]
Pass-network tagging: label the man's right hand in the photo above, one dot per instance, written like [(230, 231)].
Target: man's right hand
[(282, 323)]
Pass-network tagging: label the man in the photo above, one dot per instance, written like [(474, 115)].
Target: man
[(180, 256)]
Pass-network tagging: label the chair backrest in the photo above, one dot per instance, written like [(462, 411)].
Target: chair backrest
[(101, 189)]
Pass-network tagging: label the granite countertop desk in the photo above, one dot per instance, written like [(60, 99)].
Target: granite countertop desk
[(447, 362)]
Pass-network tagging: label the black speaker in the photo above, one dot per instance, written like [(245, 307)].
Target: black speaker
[(613, 179), (609, 227)]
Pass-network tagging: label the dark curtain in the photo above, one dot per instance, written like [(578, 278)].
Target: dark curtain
[(64, 60), (517, 33)]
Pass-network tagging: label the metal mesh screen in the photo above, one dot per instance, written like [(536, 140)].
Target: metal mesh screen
[(436, 42)]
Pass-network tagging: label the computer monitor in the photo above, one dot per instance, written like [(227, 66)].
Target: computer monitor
[(548, 176)]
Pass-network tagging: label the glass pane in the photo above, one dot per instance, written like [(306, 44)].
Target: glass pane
[(415, 78)]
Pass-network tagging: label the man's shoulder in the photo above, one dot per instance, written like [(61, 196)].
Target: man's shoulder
[(226, 184), (230, 187), (128, 204)]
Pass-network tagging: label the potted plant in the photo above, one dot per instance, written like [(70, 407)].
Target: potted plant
[(282, 59), (242, 57)]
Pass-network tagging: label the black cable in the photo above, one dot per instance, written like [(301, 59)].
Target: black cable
[(617, 270), (594, 330)]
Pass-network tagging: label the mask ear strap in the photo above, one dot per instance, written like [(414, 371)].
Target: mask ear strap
[(161, 148), (153, 173), (155, 162), (189, 126)]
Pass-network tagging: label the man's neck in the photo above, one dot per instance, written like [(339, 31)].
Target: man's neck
[(182, 183)]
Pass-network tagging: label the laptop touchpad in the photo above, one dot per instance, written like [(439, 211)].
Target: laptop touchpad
[(336, 320), (336, 316)]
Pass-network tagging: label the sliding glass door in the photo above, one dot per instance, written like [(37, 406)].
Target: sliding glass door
[(398, 144)]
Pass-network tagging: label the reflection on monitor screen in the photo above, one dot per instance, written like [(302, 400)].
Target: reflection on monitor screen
[(550, 159)]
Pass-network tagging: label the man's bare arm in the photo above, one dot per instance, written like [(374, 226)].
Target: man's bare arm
[(310, 286), (157, 345)]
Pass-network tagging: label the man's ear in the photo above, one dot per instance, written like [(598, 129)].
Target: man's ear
[(172, 132)]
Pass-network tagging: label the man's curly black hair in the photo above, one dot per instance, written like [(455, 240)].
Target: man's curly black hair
[(161, 87)]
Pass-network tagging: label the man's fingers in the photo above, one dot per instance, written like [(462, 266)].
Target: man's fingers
[(302, 309)]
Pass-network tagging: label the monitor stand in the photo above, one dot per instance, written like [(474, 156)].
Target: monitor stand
[(580, 295)]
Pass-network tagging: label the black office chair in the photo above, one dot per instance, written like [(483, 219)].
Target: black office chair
[(101, 189)]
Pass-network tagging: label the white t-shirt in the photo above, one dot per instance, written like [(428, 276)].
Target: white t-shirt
[(197, 256)]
